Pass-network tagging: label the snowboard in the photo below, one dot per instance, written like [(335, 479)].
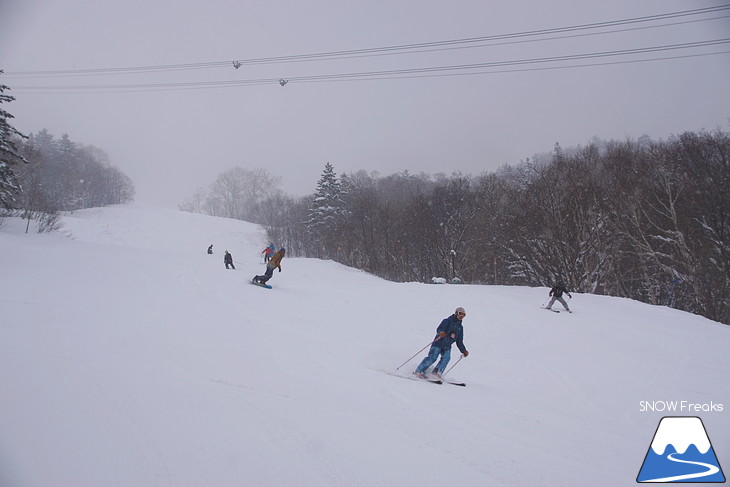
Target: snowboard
[(267, 286)]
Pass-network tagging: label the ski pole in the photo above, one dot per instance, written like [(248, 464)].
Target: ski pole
[(462, 356), (421, 350)]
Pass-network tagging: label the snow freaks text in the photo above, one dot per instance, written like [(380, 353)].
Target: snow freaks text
[(687, 407)]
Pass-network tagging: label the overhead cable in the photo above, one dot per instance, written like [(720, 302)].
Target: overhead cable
[(554, 62), (383, 50)]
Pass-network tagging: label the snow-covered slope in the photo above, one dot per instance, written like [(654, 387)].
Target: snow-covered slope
[(130, 357)]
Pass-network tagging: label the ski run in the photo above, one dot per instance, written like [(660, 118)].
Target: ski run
[(131, 357)]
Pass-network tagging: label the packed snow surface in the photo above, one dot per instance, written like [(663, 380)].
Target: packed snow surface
[(131, 357)]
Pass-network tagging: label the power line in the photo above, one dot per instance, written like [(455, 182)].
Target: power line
[(517, 62), (505, 43), (481, 39), (469, 42), (519, 70), (515, 65)]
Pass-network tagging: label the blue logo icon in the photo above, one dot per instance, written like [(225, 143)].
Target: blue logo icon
[(681, 452)]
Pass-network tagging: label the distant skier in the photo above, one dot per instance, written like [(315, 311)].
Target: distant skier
[(274, 263), (228, 260), (210, 249), (449, 331), (557, 294), (268, 252)]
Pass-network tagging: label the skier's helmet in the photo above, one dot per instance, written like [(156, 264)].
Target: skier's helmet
[(283, 249)]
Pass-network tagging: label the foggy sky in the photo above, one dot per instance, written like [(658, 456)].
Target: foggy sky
[(171, 140)]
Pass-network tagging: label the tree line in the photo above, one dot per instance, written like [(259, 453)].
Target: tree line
[(41, 175), (647, 220), (63, 175)]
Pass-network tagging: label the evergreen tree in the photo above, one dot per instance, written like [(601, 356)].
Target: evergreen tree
[(9, 155), (323, 214), (327, 201)]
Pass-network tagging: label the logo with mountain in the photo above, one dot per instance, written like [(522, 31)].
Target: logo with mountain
[(681, 452)]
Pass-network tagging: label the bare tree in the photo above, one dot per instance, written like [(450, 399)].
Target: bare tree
[(238, 193), (195, 203)]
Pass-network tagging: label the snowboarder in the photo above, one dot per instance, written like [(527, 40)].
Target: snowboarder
[(228, 260), (210, 249), (274, 263), (557, 294), (268, 252), (449, 331)]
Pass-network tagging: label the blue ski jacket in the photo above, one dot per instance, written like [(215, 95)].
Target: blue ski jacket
[(454, 333)]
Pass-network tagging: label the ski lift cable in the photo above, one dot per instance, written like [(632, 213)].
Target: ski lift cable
[(439, 71), (402, 48)]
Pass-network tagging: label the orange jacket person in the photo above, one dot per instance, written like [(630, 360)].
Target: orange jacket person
[(274, 263)]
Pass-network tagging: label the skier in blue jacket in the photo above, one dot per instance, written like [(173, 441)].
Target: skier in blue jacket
[(449, 331)]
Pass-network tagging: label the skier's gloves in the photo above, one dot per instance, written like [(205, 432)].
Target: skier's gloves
[(442, 334), (466, 353), (279, 269)]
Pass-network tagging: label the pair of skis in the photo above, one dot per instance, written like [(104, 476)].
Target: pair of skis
[(556, 310), (431, 380), (441, 381)]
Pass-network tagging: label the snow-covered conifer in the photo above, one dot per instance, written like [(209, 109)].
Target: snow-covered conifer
[(9, 155)]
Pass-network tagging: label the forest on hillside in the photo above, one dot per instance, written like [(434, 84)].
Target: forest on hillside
[(647, 220), (41, 176), (62, 175), (639, 219)]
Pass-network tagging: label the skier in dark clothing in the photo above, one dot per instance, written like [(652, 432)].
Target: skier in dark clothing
[(449, 331), (228, 260), (274, 263), (210, 249), (557, 294)]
